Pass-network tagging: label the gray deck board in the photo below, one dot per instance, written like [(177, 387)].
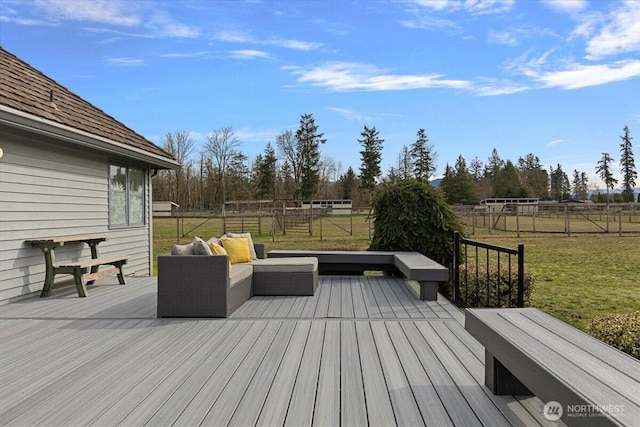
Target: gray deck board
[(362, 351)]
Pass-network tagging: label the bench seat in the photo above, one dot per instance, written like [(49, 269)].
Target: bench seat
[(85, 272), (530, 352), (412, 265)]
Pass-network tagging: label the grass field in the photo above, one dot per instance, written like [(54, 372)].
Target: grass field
[(577, 277)]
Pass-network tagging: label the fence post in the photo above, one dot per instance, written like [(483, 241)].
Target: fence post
[(456, 268), (520, 275), (620, 223)]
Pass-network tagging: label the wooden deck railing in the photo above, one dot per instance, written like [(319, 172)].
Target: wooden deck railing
[(484, 276)]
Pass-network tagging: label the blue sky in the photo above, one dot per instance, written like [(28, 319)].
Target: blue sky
[(556, 78)]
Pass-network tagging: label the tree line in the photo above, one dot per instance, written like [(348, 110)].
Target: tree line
[(295, 169)]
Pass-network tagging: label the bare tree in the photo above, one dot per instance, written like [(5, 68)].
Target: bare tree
[(222, 148), (292, 161), (180, 145)]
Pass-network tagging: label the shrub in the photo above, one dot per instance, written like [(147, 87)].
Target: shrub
[(411, 215), (502, 291), (621, 331)]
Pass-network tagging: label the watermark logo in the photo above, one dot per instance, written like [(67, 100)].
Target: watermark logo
[(552, 410)]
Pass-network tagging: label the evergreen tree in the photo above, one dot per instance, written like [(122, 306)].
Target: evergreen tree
[(405, 163), (347, 184), (371, 156), (579, 184), (560, 187), (629, 172), (604, 172), (507, 183), (534, 176), (308, 143), (266, 173), (423, 158), (458, 184)]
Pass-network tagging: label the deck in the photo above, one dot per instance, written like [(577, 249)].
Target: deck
[(362, 351)]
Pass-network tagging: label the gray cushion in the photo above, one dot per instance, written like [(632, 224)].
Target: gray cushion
[(200, 247), (182, 249), (285, 265), (239, 272)]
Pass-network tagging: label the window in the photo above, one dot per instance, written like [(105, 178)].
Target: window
[(126, 196)]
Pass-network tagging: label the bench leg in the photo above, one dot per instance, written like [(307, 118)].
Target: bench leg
[(48, 283), (81, 287), (500, 380), (428, 291), (120, 273)]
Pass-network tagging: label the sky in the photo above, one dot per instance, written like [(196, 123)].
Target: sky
[(556, 78)]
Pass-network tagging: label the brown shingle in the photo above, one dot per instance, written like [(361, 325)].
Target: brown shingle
[(24, 88)]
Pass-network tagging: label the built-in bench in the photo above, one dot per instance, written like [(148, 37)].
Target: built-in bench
[(85, 271), (583, 381), (412, 265)]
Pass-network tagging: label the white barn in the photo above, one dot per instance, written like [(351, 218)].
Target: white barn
[(68, 168)]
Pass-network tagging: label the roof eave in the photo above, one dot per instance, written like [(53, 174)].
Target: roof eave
[(26, 121)]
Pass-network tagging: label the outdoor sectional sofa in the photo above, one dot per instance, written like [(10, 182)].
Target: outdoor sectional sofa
[(209, 286)]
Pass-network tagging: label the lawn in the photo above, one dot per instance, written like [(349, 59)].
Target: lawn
[(577, 277)]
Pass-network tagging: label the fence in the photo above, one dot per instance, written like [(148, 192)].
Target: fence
[(559, 218), (486, 285)]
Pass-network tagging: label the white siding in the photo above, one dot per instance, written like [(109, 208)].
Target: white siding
[(46, 190)]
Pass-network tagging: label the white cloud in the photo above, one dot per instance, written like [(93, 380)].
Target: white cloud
[(477, 7), (502, 37), (248, 54), (145, 18), (620, 33), (350, 114), (500, 88), (113, 12), (232, 36), (351, 76), (125, 62), (555, 142), (566, 6), (579, 76), (185, 54)]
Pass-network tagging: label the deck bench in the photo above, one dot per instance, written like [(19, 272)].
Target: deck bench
[(412, 265), (583, 380), (84, 271)]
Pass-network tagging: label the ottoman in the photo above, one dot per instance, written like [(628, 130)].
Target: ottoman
[(285, 276)]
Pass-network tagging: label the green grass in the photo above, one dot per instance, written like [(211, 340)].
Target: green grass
[(577, 278)]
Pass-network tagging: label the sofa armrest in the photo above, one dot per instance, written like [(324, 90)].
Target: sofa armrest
[(193, 285), (260, 250)]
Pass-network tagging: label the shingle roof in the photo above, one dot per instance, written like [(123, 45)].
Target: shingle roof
[(26, 89)]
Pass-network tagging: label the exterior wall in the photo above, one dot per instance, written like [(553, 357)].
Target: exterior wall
[(48, 189)]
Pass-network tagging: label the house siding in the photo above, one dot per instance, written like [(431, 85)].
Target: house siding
[(49, 189)]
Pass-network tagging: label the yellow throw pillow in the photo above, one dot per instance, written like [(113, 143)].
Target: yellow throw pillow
[(218, 250), (237, 248)]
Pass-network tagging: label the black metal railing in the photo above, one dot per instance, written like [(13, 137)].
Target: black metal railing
[(484, 276)]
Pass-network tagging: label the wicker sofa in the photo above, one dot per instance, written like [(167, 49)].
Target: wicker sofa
[(206, 286)]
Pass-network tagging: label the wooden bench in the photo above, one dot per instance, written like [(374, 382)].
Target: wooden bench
[(84, 272), (412, 265), (584, 381)]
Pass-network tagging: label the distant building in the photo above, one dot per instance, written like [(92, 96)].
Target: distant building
[(521, 206)]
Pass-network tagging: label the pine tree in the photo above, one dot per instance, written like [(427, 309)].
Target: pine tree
[(371, 156), (266, 173), (629, 172), (423, 157), (604, 171), (347, 184), (308, 143)]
